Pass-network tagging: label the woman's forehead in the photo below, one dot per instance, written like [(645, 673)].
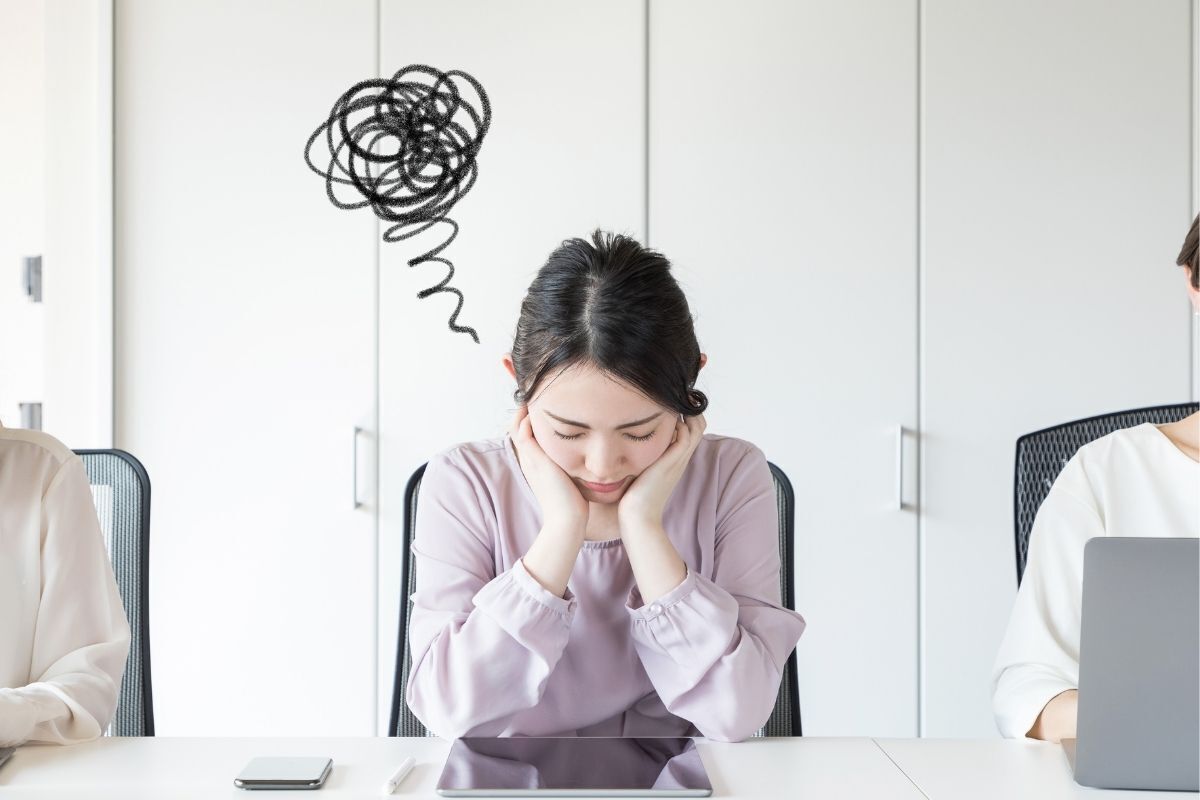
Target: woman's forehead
[(583, 389)]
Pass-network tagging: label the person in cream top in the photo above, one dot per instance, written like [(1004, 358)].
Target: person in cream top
[(64, 637), (1141, 481)]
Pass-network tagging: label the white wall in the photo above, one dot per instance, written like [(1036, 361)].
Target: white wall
[(22, 201), (55, 200), (78, 392), (245, 337)]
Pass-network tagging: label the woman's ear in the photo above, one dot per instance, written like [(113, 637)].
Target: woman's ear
[(508, 365), (703, 361)]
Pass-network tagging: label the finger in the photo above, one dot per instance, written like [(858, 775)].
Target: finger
[(522, 413), (695, 431), (679, 426), (526, 426)]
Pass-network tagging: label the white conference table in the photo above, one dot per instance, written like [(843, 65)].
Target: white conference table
[(170, 767)]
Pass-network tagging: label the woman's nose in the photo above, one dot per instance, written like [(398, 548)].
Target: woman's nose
[(604, 461)]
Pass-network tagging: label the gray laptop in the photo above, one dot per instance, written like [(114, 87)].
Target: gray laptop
[(1139, 665)]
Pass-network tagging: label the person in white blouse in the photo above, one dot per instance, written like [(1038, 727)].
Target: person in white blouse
[(1141, 481), (64, 637)]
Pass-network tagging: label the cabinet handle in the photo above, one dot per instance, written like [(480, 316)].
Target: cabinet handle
[(900, 504), (354, 469)]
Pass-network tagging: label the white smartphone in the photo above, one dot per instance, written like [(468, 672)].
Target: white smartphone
[(284, 773)]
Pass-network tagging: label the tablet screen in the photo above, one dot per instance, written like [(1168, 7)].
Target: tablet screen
[(592, 766)]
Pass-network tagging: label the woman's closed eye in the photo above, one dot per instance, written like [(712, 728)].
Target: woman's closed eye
[(627, 436)]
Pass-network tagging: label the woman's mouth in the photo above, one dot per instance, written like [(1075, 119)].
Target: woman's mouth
[(603, 488)]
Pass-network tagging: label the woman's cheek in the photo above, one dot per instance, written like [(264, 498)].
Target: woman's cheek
[(654, 453), (556, 449)]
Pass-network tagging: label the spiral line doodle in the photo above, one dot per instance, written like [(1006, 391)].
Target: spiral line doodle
[(406, 147)]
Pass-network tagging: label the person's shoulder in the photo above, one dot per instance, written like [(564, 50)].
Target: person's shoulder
[(727, 447), (33, 446), (1139, 444), (725, 457), (38, 459), (482, 458), (1119, 461)]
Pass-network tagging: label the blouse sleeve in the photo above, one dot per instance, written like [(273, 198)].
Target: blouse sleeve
[(462, 609), (81, 638), (1039, 655), (715, 648)]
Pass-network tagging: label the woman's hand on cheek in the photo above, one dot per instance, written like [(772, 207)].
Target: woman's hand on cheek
[(647, 495), (560, 500)]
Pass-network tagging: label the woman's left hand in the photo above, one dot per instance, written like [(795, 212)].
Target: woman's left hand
[(647, 495)]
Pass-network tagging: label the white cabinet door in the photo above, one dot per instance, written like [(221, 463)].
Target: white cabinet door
[(1055, 165), (783, 186), (22, 207), (564, 155), (244, 333)]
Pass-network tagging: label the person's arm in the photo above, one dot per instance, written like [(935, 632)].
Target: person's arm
[(1037, 667), (81, 638), (715, 649), (483, 645)]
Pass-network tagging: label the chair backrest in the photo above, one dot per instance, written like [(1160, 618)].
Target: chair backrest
[(784, 719), (121, 490), (1041, 455)]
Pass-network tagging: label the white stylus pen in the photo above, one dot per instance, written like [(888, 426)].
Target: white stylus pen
[(394, 782)]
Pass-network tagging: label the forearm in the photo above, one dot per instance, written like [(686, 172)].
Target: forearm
[(471, 672), (712, 661), (1057, 720), (657, 567), (551, 557)]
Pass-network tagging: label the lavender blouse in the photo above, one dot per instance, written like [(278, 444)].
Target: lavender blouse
[(496, 654)]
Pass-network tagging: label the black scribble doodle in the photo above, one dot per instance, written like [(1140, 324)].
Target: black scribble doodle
[(406, 147)]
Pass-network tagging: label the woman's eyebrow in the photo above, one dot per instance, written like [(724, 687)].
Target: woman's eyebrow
[(633, 424)]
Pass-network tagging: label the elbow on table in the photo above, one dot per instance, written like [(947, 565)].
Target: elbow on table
[(450, 720), (734, 723), (728, 731), (442, 723)]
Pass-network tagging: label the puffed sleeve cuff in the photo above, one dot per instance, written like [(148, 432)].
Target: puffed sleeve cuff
[(18, 715), (1020, 696), (637, 607), (43, 712), (529, 613), (692, 624)]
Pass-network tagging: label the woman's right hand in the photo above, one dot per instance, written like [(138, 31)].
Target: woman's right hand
[(563, 506)]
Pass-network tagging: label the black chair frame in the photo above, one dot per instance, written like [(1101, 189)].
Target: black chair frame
[(140, 592)]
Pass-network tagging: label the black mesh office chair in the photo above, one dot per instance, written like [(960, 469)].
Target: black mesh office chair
[(784, 719), (121, 490), (1041, 455)]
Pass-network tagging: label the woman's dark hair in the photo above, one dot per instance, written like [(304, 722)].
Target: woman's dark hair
[(1188, 257), (613, 304)]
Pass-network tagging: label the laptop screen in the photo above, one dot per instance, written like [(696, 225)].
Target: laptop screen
[(592, 766)]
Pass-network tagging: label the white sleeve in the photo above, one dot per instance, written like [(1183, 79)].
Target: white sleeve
[(81, 638), (1039, 656)]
